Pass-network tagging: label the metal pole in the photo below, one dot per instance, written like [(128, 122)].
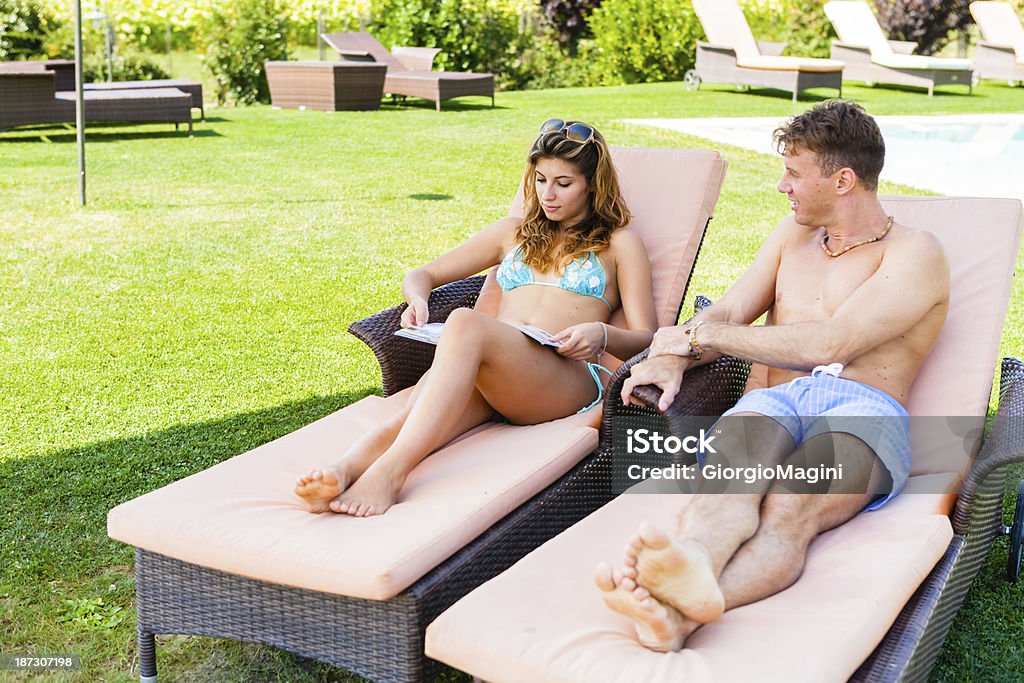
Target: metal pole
[(108, 29), (79, 103), (321, 29)]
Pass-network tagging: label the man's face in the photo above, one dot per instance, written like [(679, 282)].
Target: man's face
[(810, 193)]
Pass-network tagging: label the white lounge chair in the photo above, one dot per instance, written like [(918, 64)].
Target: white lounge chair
[(871, 57), (1000, 52), (733, 56)]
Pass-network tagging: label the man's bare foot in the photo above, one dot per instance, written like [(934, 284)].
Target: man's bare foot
[(319, 487), (678, 574), (371, 494), (658, 626)]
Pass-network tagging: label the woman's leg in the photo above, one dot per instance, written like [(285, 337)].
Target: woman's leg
[(480, 365)]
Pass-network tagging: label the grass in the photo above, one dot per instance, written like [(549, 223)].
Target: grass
[(197, 308)]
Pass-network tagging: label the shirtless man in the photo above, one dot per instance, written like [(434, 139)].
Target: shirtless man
[(842, 284)]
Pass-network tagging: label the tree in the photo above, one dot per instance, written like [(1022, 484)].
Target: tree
[(926, 22)]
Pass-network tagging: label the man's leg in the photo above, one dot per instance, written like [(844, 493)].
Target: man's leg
[(773, 558), (683, 572)]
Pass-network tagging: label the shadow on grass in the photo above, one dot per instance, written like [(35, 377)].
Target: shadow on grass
[(430, 197), (475, 104), (56, 504), (93, 135)]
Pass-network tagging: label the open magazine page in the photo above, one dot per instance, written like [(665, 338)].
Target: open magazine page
[(431, 334)]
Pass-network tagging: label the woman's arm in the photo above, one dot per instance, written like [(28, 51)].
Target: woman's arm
[(633, 275), (481, 251)]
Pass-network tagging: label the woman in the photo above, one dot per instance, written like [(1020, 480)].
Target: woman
[(572, 242)]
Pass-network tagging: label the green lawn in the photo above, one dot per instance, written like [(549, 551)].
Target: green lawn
[(198, 306)]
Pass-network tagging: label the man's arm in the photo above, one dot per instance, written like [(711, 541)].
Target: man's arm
[(912, 279), (751, 296)]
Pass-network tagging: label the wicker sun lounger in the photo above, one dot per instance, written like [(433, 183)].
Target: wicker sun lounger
[(871, 57), (29, 98), (409, 69), (1000, 52), (843, 617), (194, 89), (673, 193), (733, 56), (326, 86)]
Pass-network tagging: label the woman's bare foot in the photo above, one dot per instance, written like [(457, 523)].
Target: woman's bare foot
[(678, 574), (658, 627), (319, 487), (372, 493)]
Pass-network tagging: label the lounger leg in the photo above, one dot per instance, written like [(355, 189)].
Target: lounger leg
[(492, 100), (794, 96), (438, 105), (147, 657)]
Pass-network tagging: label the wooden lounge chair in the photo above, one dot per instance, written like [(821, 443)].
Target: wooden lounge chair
[(1000, 52), (28, 98), (871, 57), (249, 563), (409, 69), (733, 56), (878, 594)]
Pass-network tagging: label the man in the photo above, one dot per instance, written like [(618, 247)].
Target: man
[(854, 303)]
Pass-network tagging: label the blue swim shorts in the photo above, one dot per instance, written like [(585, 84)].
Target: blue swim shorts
[(809, 406)]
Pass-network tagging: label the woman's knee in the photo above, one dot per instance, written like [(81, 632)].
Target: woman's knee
[(465, 324)]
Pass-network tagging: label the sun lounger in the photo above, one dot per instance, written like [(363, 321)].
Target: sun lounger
[(878, 594), (326, 86), (731, 55), (870, 57), (243, 559), (28, 98), (1000, 52), (194, 89), (409, 69)]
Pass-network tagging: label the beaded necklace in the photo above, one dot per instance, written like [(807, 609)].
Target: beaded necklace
[(834, 254)]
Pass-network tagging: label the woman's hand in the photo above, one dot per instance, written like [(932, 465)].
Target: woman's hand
[(418, 313), (582, 342)]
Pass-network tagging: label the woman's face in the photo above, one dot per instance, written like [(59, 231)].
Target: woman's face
[(562, 191)]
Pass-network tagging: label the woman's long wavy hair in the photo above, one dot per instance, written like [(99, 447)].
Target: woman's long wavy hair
[(537, 235)]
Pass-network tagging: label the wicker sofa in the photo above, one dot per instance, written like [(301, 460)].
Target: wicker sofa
[(30, 98)]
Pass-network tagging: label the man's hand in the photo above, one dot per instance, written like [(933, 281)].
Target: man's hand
[(664, 372), (671, 341)]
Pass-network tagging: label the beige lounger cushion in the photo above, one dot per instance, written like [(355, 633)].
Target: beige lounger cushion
[(1000, 25), (241, 516), (544, 620), (790, 64), (856, 24)]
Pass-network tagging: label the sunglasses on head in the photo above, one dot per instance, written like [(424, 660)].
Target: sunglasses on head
[(577, 132)]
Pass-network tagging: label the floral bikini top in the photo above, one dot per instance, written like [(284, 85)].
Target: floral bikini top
[(585, 275)]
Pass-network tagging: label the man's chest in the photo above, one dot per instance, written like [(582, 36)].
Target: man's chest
[(812, 286)]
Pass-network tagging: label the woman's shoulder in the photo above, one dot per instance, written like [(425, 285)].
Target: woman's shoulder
[(625, 241)]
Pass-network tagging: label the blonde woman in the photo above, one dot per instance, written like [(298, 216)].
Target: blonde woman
[(564, 268)]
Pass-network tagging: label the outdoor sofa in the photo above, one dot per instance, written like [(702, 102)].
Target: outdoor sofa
[(1000, 52), (231, 552), (64, 79), (731, 55), (871, 57), (29, 98), (878, 594), (409, 69)]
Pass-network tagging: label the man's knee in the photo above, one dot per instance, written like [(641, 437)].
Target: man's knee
[(790, 516)]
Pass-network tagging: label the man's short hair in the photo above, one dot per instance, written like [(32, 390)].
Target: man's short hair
[(842, 134)]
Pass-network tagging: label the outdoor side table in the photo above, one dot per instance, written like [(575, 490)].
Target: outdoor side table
[(326, 86)]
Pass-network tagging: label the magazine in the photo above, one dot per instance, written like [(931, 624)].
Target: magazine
[(431, 334)]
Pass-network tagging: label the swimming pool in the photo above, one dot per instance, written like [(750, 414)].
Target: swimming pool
[(975, 154)]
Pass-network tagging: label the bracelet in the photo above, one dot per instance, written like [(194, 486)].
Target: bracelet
[(604, 347), (696, 350)]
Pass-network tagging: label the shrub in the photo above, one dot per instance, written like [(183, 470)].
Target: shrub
[(546, 63), (567, 20), (811, 33), (237, 39), (24, 28), (129, 66), (473, 35), (926, 22), (637, 41)]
